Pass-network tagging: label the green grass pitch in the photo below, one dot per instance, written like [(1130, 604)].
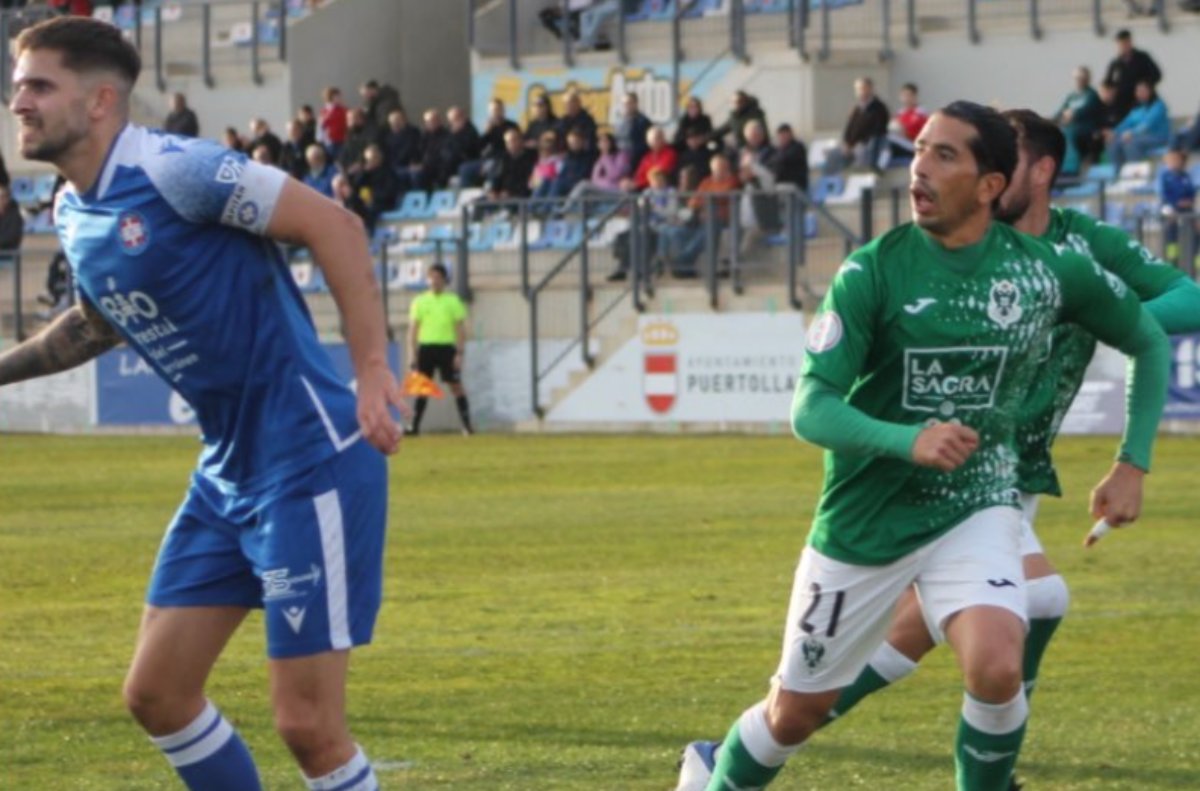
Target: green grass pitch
[(567, 612)]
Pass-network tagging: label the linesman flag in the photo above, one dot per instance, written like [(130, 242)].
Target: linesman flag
[(420, 385)]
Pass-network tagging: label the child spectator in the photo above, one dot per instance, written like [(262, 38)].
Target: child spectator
[(333, 122), (1178, 196)]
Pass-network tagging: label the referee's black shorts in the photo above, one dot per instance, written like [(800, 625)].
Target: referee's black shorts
[(438, 357)]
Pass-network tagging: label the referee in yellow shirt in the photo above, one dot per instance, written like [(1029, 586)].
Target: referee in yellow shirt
[(436, 338)]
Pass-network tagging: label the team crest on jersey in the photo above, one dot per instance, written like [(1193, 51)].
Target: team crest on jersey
[(825, 333), (230, 171), (133, 232), (813, 651), (1004, 304)]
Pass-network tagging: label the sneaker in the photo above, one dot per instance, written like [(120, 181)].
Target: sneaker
[(696, 766), (1013, 785), (616, 277)]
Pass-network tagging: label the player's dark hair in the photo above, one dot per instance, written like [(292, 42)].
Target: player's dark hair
[(909, 86), (441, 270), (994, 145), (1038, 137), (1123, 35), (85, 45)]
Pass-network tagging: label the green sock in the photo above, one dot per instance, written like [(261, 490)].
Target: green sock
[(887, 666), (868, 682), (736, 768), (1036, 642), (984, 760)]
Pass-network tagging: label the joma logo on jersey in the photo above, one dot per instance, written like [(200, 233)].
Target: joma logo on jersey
[(947, 380)]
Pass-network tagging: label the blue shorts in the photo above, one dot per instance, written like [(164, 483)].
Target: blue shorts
[(308, 551)]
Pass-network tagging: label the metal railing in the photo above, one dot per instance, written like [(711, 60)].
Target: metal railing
[(826, 25), (189, 33)]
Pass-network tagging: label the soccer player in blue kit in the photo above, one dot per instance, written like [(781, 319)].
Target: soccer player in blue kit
[(173, 246)]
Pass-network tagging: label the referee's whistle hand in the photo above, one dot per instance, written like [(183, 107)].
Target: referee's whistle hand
[(945, 446)]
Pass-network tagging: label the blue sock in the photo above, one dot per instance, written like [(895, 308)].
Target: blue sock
[(209, 755), (356, 775)]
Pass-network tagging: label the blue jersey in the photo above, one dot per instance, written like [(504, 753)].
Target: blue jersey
[(168, 246)]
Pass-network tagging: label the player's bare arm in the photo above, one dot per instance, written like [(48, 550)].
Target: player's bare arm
[(414, 332), (78, 335), (339, 246)]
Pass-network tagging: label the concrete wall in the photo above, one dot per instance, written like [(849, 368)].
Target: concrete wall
[(1016, 71), (417, 45)]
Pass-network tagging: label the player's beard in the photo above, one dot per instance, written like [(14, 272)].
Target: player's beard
[(54, 144), (1013, 206)]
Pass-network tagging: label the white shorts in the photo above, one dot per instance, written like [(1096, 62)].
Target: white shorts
[(839, 613), (1030, 545)]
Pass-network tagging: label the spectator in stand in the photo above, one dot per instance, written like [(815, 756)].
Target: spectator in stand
[(1178, 196), (333, 122), (359, 135), (1145, 128), (308, 120), (549, 161), (427, 172), (232, 140), (745, 108), (376, 183), (1109, 117), (789, 162), (543, 121), (261, 134), (694, 119), (610, 167), (684, 244), (1081, 116), (511, 179), (261, 153), (576, 164), (345, 194), (4, 180), (576, 117), (1130, 67), (464, 144), (695, 154), (632, 129), (758, 210), (181, 119), (12, 225), (758, 146), (320, 170), (907, 123), (661, 201), (295, 150), (402, 142), (477, 171), (659, 155), (865, 132), (1188, 139), (378, 102), (75, 7)]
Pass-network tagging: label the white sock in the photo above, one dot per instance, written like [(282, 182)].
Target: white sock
[(355, 775), (1048, 597), (890, 664), (758, 741), (996, 719), (206, 734)]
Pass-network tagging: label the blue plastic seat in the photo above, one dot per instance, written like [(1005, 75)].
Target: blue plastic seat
[(443, 203), (1103, 171), (413, 206), (827, 187)]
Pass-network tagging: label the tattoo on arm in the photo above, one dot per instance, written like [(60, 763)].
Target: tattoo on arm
[(75, 337)]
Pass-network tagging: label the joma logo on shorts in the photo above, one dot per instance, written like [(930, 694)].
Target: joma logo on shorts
[(947, 380)]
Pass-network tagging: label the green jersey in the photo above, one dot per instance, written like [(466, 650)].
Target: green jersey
[(1071, 347), (439, 315), (914, 333)]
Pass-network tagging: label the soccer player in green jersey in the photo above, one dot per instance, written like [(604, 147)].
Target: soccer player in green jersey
[(915, 375), (1169, 296)]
